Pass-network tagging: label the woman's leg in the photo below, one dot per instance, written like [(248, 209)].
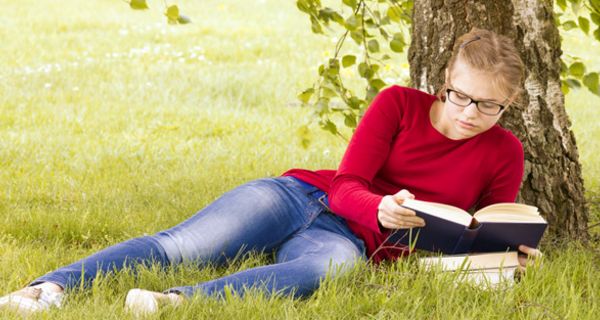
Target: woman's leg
[(259, 215), (302, 262)]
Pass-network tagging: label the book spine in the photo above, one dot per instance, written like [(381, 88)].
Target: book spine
[(465, 242)]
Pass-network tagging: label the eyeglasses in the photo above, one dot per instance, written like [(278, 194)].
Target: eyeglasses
[(462, 100)]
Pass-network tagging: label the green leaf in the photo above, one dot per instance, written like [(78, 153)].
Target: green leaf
[(595, 18), (348, 60), (371, 93), (564, 87), (329, 126), (334, 68), (573, 83), (355, 103), (357, 36), (352, 23), (328, 93), (365, 71), (377, 84), (334, 63), (138, 4), (338, 18), (315, 26), (597, 34), (303, 6), (172, 13), (305, 95), (373, 46), (577, 69), (563, 68), (394, 13), (397, 45), (591, 81), (584, 24), (350, 120), (321, 69), (322, 106), (350, 3), (183, 19), (568, 25), (562, 4), (595, 5)]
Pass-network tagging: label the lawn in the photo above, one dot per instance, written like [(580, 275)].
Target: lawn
[(114, 124)]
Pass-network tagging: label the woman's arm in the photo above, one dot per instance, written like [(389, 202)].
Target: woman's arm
[(349, 195)]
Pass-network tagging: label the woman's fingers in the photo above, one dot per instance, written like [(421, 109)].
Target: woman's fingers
[(530, 252), (528, 257), (393, 216), (397, 218), (403, 222), (403, 194)]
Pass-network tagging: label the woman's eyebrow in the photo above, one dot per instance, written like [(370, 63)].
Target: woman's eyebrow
[(475, 98)]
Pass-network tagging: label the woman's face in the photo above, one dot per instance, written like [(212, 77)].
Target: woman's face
[(465, 122)]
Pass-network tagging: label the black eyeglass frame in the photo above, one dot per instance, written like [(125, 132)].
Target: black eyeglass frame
[(471, 100)]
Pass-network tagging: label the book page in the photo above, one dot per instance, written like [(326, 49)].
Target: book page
[(439, 210), (509, 212), (509, 207), (510, 218), (480, 261)]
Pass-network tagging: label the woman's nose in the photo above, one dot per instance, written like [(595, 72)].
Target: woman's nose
[(471, 110)]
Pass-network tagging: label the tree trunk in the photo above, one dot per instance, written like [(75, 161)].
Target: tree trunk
[(552, 179)]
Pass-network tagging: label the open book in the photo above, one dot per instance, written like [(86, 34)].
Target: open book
[(498, 227), (485, 269)]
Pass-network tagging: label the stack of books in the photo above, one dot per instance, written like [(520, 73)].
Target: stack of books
[(483, 245)]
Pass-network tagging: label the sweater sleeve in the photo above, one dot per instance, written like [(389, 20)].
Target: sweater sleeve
[(505, 183), (349, 194)]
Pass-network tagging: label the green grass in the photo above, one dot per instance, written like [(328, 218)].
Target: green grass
[(113, 124)]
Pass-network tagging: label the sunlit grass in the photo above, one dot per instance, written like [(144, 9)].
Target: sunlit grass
[(114, 124)]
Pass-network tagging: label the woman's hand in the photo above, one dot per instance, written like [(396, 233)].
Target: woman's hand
[(392, 216), (528, 256)]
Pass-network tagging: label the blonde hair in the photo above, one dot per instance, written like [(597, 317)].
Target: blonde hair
[(489, 52)]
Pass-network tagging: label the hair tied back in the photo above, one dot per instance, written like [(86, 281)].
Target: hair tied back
[(466, 43)]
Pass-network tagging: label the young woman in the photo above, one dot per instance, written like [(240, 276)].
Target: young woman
[(446, 148)]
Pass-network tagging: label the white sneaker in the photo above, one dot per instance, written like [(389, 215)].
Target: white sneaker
[(143, 302), (31, 300)]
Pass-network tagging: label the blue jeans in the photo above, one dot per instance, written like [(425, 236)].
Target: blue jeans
[(282, 215)]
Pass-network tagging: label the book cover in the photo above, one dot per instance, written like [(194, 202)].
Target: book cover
[(451, 230)]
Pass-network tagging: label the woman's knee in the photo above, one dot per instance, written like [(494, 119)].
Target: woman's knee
[(336, 258)]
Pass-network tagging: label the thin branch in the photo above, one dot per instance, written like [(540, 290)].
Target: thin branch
[(594, 225)]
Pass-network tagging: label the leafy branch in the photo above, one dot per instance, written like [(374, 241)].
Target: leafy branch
[(577, 15), (368, 25), (371, 23)]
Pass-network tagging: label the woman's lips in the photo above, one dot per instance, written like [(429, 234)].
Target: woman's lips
[(466, 125)]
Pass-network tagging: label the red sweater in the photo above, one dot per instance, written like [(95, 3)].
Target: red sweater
[(396, 147)]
